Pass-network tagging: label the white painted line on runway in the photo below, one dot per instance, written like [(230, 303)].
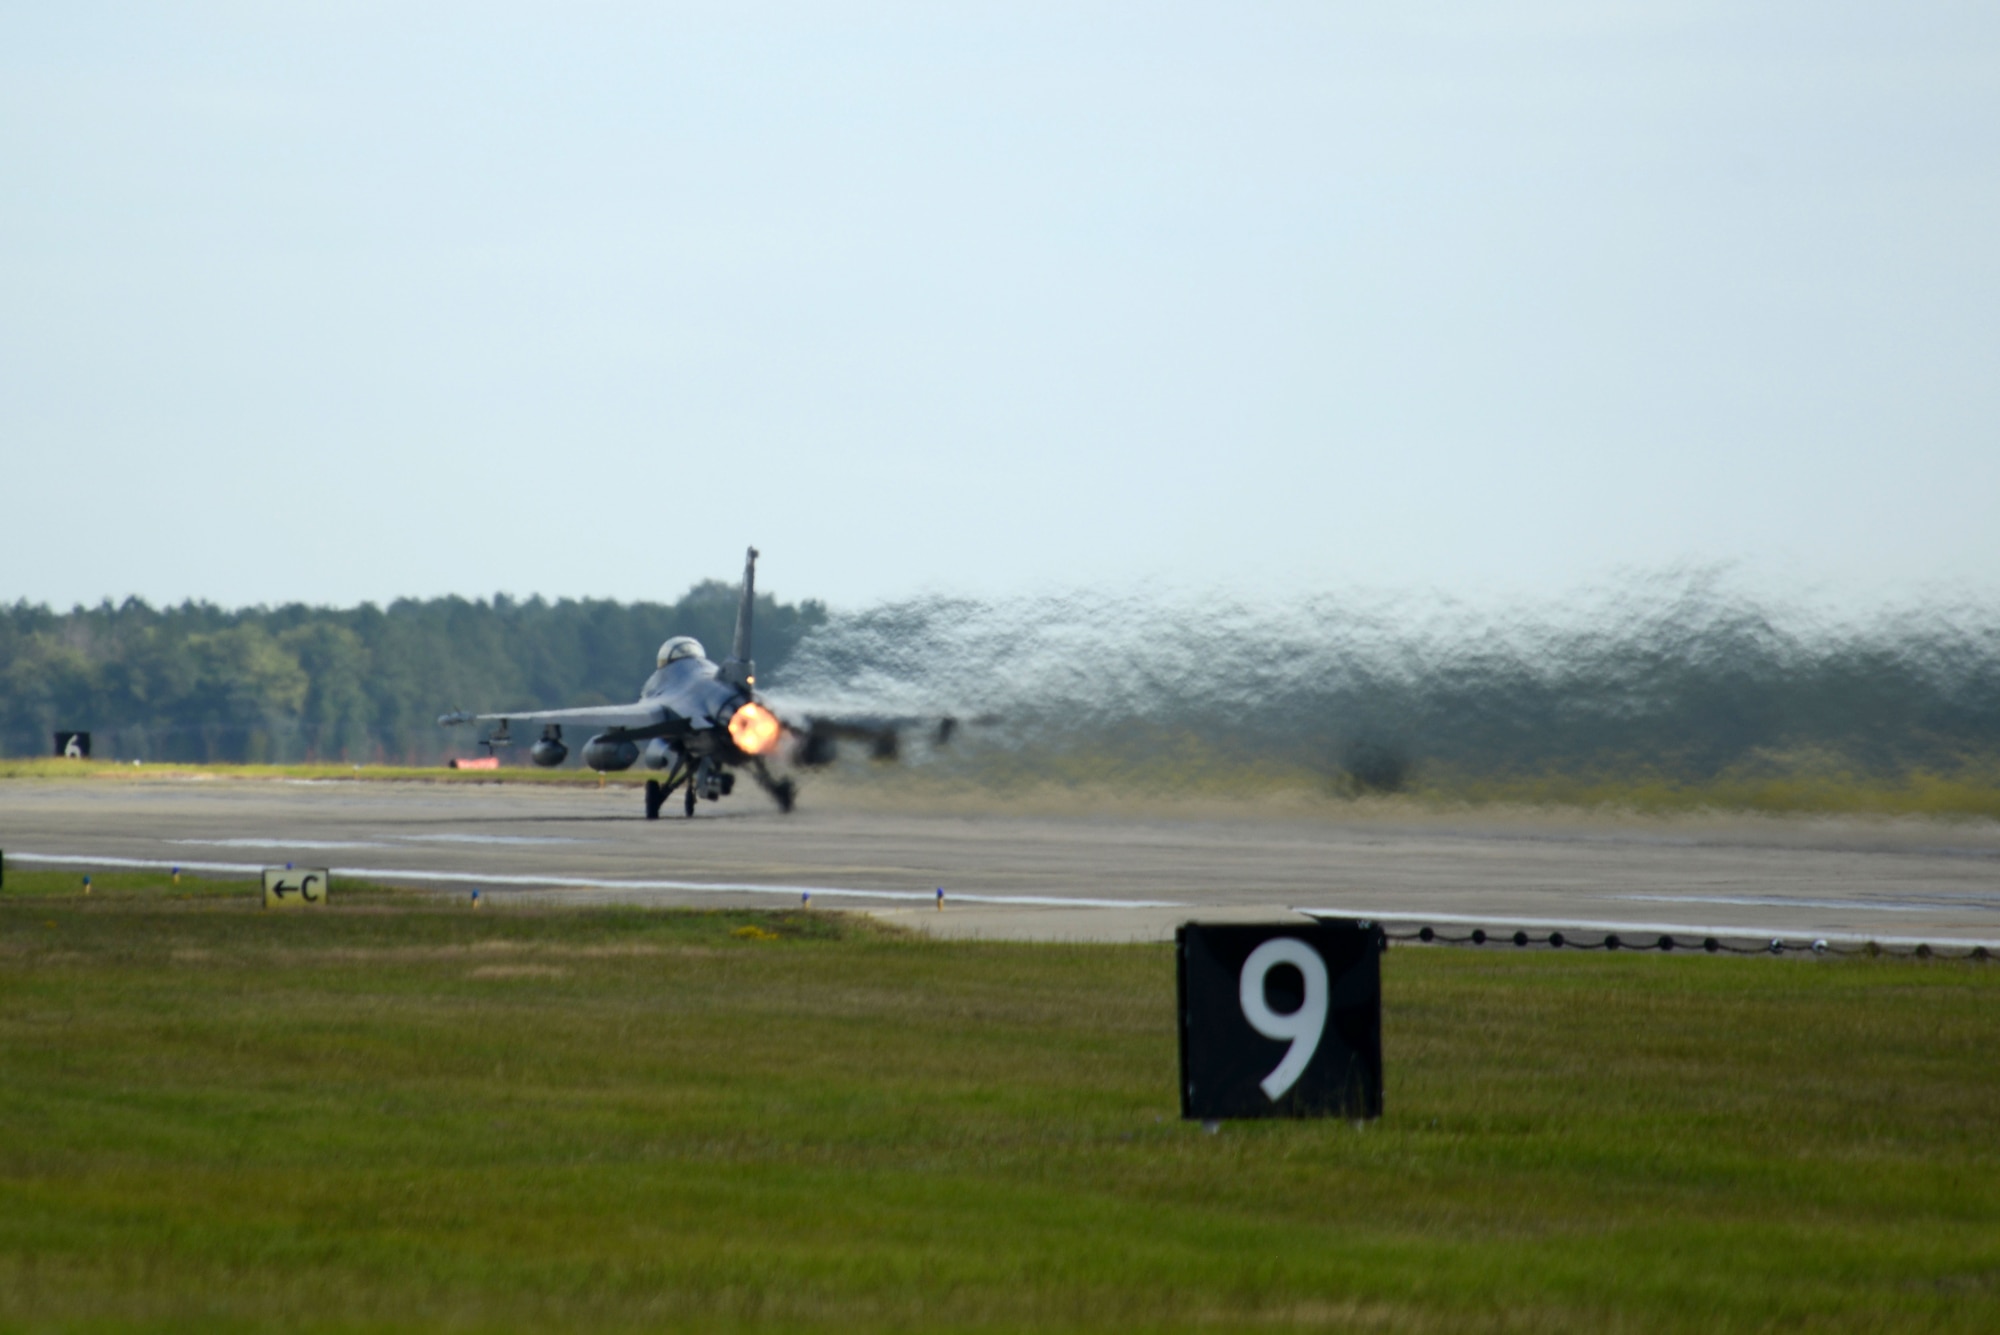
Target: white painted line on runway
[(1944, 937), (536, 839), (1786, 902), (144, 864), (483, 879), (316, 844)]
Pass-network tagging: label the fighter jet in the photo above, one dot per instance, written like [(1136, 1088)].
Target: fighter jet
[(698, 721)]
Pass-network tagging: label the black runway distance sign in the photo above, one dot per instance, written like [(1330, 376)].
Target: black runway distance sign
[(73, 745), (1280, 1021)]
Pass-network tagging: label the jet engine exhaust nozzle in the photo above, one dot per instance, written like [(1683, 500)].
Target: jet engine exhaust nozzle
[(754, 729)]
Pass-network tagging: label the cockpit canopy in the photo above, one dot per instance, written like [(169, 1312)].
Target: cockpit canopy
[(679, 647)]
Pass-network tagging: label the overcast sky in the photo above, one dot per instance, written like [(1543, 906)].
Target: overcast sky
[(339, 302)]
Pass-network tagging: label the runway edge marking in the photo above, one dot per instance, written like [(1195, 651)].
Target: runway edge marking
[(607, 883)]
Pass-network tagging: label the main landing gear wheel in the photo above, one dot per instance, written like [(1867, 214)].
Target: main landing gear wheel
[(688, 801), (656, 797), (783, 791)]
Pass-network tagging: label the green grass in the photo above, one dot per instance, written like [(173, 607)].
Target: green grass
[(1201, 779), (1969, 792), (401, 1113), (54, 768), (1101, 783)]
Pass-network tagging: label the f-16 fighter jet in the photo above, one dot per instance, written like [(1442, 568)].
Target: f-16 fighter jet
[(697, 720)]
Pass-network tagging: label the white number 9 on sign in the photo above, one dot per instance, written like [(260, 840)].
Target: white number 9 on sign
[(1304, 1025)]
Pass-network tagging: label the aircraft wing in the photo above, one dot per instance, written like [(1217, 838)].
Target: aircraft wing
[(640, 716)]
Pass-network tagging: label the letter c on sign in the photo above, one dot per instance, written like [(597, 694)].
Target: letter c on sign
[(1303, 1026)]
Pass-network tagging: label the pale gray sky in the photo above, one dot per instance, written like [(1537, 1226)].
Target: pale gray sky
[(333, 302)]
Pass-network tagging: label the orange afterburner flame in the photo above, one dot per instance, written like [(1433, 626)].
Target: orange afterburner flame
[(753, 729)]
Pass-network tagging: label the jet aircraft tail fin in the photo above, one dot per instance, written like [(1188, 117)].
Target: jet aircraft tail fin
[(742, 667)]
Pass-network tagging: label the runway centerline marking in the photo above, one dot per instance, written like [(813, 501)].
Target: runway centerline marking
[(484, 879)]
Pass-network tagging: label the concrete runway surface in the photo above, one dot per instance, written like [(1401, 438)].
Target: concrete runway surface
[(1038, 876)]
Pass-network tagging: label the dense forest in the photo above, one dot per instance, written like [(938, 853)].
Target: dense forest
[(201, 683), (1677, 676)]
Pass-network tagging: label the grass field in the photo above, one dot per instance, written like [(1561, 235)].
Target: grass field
[(51, 768), (1110, 785), (401, 1113)]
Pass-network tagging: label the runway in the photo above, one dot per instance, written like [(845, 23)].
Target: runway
[(1009, 874)]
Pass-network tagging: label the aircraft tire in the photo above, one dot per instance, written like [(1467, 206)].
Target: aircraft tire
[(656, 797), (688, 801)]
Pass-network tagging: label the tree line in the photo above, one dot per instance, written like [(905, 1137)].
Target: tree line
[(1664, 678), (361, 685)]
